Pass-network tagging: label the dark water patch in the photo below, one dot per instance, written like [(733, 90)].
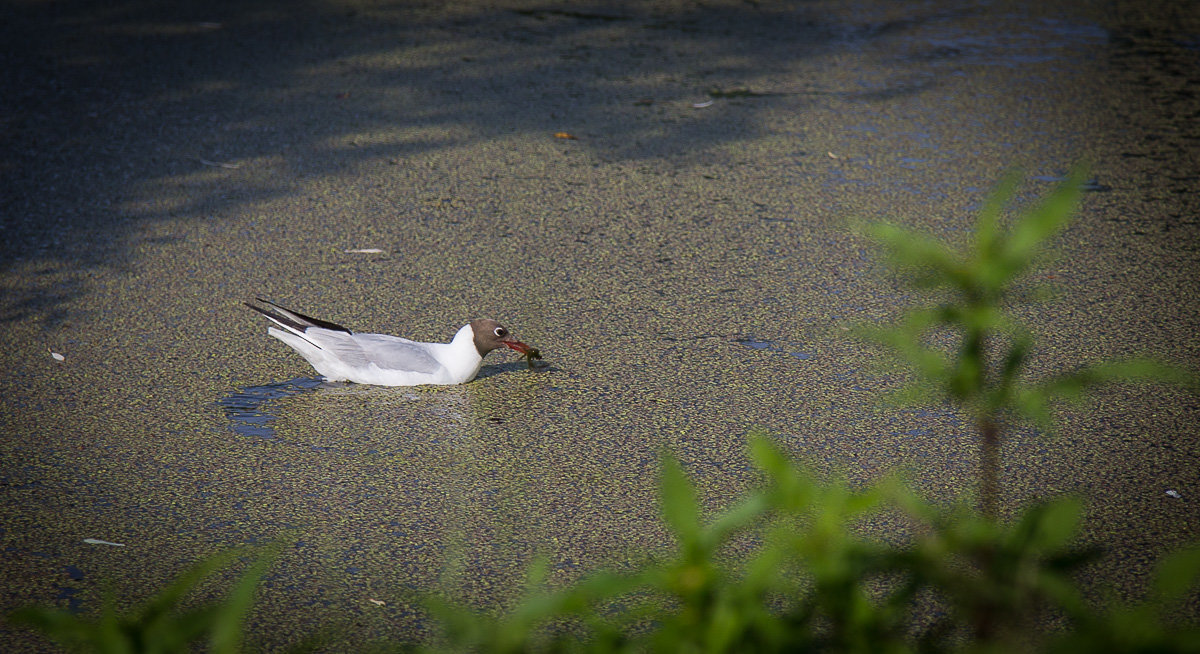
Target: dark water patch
[(250, 410), (1034, 42), (543, 14), (1090, 186), (74, 603), (797, 350), (348, 420)]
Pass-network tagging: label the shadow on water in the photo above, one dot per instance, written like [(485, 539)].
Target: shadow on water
[(351, 419), (800, 351), (252, 409), (124, 115)]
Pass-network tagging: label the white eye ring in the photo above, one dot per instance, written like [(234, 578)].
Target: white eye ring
[(499, 331)]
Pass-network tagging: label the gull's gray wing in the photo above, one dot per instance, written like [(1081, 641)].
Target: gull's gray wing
[(387, 352)]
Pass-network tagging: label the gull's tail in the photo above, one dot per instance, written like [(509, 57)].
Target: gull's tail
[(293, 321)]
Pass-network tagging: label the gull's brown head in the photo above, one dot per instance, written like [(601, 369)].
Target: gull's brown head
[(490, 335)]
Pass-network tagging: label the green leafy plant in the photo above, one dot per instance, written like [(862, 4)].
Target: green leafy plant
[(814, 581), (1150, 626), (161, 624), (974, 287)]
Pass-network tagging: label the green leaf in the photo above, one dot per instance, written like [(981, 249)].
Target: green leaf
[(1071, 386), (742, 514), (158, 625), (1058, 523), (66, 629), (987, 229), (1045, 220), (680, 507), (1178, 573), (915, 394), (229, 617), (165, 601), (1015, 359), (790, 491), (905, 339), (1033, 403), (928, 261), (109, 631)]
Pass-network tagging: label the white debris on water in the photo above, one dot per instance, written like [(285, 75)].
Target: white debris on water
[(97, 541)]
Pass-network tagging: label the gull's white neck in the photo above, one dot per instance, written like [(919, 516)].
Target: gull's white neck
[(461, 358)]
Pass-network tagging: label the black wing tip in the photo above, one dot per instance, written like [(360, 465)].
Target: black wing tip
[(266, 312), (271, 306), (276, 316), (266, 301), (290, 317)]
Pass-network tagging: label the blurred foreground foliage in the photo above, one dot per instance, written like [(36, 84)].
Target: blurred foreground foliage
[(161, 624), (814, 581), (798, 564), (973, 291)]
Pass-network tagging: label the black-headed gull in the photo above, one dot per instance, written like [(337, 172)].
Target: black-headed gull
[(342, 355)]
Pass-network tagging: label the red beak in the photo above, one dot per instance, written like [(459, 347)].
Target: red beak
[(517, 345)]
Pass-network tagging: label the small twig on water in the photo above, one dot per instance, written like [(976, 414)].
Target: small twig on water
[(219, 164)]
